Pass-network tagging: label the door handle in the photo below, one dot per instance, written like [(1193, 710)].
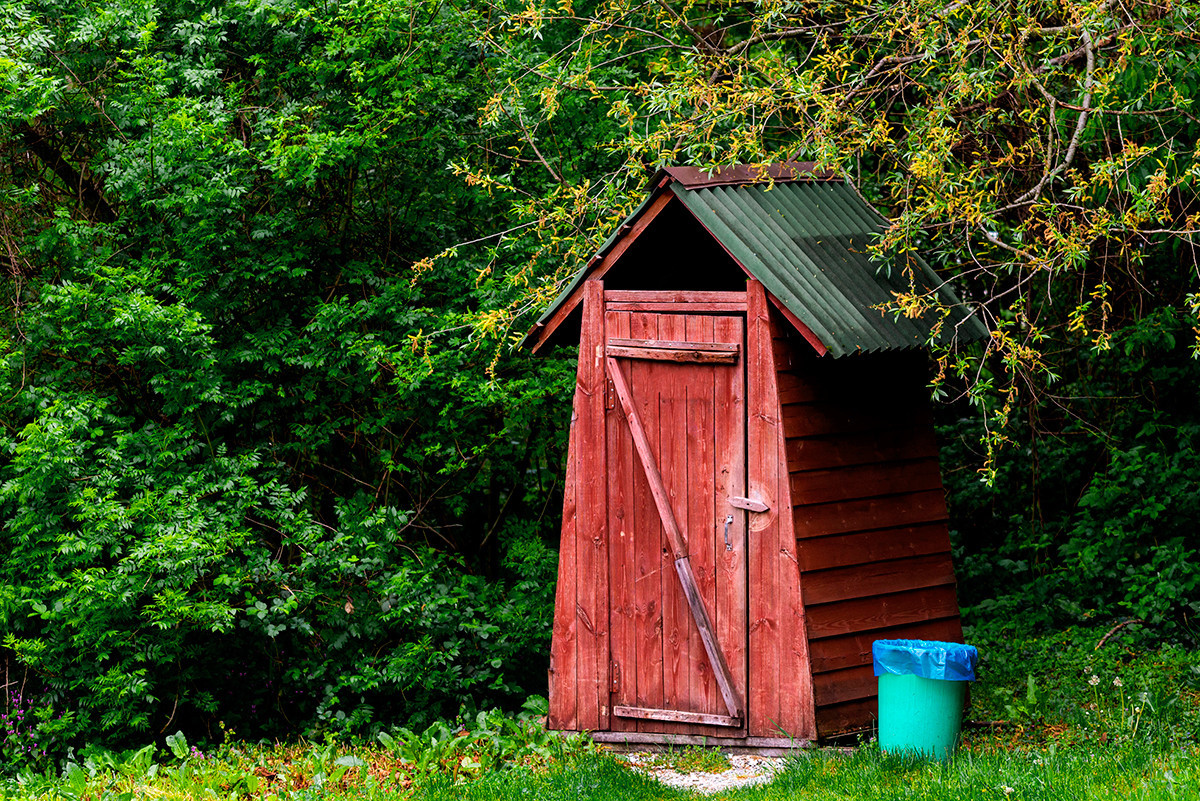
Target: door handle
[(728, 523)]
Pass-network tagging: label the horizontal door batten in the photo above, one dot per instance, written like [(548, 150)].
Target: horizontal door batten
[(676, 716), (672, 351), (672, 296)]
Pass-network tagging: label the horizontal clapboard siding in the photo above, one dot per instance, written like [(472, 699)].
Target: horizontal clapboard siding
[(870, 514), (851, 716), (812, 487), (877, 545), (879, 612), (870, 521), (877, 579), (869, 447)]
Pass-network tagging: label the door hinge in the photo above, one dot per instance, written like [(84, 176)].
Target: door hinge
[(615, 673), (610, 395)]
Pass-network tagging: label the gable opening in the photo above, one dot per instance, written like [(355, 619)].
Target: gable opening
[(676, 252)]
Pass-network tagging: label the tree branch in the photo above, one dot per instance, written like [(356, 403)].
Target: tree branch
[(91, 200), (1080, 124)]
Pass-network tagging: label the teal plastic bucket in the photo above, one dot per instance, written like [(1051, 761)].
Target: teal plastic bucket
[(922, 691), (920, 716)]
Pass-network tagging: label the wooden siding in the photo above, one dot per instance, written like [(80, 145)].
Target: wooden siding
[(781, 690), (869, 515)]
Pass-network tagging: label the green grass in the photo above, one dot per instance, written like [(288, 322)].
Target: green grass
[(1127, 773), (1074, 723)]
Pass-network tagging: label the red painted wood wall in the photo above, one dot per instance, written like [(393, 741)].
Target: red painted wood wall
[(869, 515)]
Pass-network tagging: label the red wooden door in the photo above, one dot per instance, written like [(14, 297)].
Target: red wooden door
[(676, 430)]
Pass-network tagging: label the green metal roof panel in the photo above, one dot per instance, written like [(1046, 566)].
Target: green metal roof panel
[(807, 241)]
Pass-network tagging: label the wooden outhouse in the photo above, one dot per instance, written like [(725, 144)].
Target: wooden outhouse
[(753, 493)]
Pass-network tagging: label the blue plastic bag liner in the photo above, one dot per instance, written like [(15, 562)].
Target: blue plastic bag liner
[(949, 661)]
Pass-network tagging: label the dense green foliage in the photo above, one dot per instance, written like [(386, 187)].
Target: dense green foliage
[(252, 472), (267, 462), (1093, 519)]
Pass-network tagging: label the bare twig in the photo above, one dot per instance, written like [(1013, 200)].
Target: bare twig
[(700, 38), (1117, 628), (529, 138)]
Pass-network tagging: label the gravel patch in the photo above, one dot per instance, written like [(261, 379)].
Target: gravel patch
[(744, 770)]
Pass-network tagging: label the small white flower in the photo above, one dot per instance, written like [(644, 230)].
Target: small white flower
[(1094, 680), (1087, 670), (1117, 682), (1007, 790)]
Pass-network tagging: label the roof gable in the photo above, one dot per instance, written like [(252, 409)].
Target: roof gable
[(805, 236)]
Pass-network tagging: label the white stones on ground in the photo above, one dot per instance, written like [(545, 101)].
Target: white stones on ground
[(743, 770)]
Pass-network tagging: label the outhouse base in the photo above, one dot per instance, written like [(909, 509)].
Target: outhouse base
[(646, 741)]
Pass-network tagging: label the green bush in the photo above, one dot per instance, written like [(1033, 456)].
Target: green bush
[(1092, 519), (256, 471)]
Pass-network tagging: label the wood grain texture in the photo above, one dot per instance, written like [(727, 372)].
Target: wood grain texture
[(699, 409), (677, 716), (865, 481), (729, 479), (564, 656), (694, 323), (780, 684), (867, 614), (683, 355), (878, 545), (678, 662), (797, 699), (850, 684), (697, 308), (766, 646), (675, 297), (622, 561), (592, 601), (869, 515), (648, 537), (842, 517), (674, 406), (878, 578), (848, 717), (747, 504), (708, 637), (649, 462)]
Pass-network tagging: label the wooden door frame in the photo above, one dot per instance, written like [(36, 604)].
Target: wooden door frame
[(779, 673)]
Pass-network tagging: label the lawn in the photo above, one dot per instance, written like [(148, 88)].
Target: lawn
[(1064, 720)]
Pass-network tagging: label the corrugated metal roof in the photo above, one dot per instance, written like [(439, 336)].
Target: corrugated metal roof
[(806, 238)]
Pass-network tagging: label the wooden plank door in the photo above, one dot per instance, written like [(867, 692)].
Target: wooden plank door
[(676, 438)]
